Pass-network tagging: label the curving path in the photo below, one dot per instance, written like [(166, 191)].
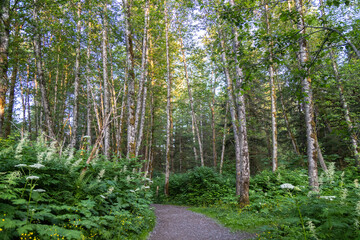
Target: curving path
[(178, 223)]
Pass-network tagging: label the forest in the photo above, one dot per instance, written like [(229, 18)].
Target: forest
[(248, 111)]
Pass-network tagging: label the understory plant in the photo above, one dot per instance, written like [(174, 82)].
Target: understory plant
[(43, 197), (282, 205)]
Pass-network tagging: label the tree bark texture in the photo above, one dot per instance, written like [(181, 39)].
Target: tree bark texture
[(225, 132), (168, 105), (308, 100), (77, 79), (88, 90), (4, 51), (272, 94), (143, 74), (142, 92), (9, 118), (233, 115), (131, 131), (106, 88), (241, 108), (213, 130)]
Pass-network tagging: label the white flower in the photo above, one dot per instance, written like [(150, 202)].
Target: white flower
[(39, 190), (21, 165), (344, 194), (32, 178), (102, 196), (110, 190), (311, 227), (287, 186), (328, 197), (357, 209), (101, 175), (37, 165), (356, 223), (132, 191), (356, 183)]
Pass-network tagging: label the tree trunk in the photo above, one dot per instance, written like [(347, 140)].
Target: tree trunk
[(143, 74), (4, 51), (168, 105), (195, 127), (213, 130), (28, 97), (9, 119), (224, 138), (141, 98), (245, 161), (308, 99), (131, 131), (40, 74), (272, 94), (88, 90), (234, 116), (77, 79)]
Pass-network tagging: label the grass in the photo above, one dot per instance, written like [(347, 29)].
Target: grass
[(236, 219)]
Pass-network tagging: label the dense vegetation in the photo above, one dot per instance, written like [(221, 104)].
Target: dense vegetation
[(44, 195), (282, 205), (219, 102)]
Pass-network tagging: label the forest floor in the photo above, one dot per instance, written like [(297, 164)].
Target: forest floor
[(178, 223)]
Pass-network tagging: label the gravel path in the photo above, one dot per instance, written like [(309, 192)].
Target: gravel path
[(178, 223)]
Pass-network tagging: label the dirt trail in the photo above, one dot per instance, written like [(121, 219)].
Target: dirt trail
[(178, 223)]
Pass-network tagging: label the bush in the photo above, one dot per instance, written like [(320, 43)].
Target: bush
[(43, 195), (200, 186)]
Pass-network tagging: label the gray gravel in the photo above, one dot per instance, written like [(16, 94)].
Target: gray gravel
[(178, 223)]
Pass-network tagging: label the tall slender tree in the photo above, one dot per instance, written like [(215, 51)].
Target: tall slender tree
[(77, 78), (168, 103), (4, 51), (308, 98)]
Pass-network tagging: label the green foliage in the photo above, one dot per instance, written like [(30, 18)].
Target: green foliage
[(201, 186), (292, 211), (44, 197)]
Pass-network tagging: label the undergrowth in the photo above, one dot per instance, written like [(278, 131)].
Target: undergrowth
[(44, 197), (282, 206)]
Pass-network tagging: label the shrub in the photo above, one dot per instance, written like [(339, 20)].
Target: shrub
[(43, 195), (200, 186)]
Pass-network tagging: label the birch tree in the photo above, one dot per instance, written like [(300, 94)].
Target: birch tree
[(105, 82), (4, 48), (308, 99), (131, 131), (77, 79), (168, 103)]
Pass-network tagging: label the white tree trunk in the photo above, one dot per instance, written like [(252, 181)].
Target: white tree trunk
[(272, 94), (233, 116), (131, 131), (77, 79), (106, 89), (240, 98), (141, 97), (224, 138), (308, 99)]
